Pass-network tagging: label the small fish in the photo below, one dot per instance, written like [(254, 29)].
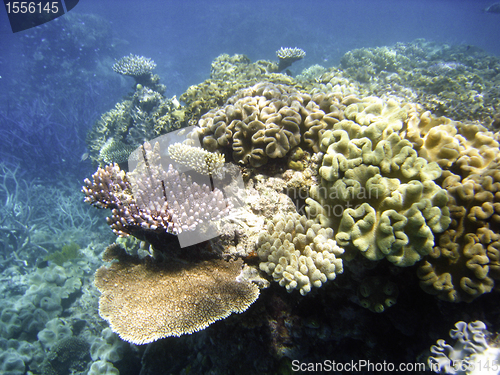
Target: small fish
[(493, 8), (84, 156)]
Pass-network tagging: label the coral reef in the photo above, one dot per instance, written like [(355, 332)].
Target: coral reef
[(298, 253), (145, 301), (329, 173), (455, 81)]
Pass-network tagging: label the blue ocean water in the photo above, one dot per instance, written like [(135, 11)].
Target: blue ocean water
[(56, 81)]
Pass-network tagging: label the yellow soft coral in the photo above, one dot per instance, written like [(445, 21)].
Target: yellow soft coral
[(375, 191)]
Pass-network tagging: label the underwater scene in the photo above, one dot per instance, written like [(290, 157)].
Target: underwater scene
[(250, 187)]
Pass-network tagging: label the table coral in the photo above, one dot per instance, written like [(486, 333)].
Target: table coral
[(145, 301), (287, 56), (134, 65), (140, 68), (298, 253)]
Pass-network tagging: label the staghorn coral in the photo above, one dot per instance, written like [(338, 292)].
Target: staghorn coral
[(145, 301), (287, 56), (196, 158), (267, 121), (375, 191), (298, 253), (138, 200)]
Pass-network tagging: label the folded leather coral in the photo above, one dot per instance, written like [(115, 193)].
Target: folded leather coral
[(267, 121), (465, 263), (468, 354), (375, 191)]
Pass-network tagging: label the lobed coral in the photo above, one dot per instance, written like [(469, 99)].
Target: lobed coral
[(470, 354), (298, 253), (228, 75), (267, 121), (375, 190), (464, 264)]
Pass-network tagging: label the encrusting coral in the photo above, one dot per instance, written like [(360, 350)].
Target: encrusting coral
[(298, 253), (145, 300)]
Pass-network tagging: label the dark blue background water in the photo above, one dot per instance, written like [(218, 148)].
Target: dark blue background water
[(183, 37)]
